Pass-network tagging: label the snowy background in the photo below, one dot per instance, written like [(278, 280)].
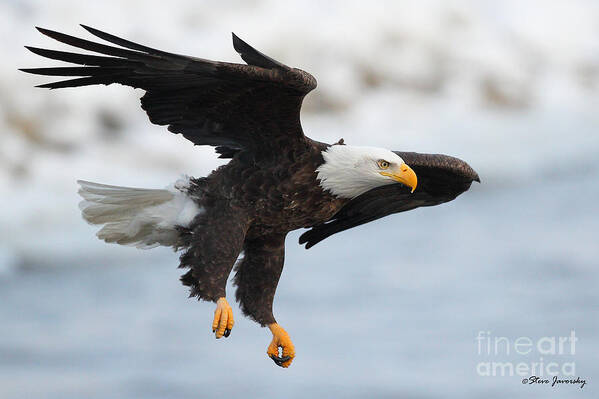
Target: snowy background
[(510, 86)]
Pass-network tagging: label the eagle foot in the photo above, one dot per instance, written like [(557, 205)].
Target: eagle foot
[(280, 339), (223, 319)]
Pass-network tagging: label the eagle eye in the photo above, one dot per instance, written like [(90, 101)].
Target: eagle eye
[(383, 164)]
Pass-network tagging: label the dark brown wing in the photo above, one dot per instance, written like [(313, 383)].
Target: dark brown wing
[(441, 178), (213, 103)]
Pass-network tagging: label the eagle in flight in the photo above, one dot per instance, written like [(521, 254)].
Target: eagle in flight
[(277, 179)]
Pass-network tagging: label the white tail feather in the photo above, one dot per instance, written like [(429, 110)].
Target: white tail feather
[(145, 218)]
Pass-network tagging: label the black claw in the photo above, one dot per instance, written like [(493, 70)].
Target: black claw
[(279, 360), (227, 332)]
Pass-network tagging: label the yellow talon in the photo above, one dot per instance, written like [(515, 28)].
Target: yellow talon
[(223, 319), (281, 339)]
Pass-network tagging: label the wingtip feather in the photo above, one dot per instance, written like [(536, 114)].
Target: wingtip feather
[(91, 30), (38, 51), (44, 31), (46, 86), (238, 44), (33, 71)]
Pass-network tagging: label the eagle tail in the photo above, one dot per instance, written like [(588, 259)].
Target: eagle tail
[(145, 218)]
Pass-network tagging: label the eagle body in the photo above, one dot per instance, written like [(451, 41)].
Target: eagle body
[(249, 206), (279, 193), (277, 179)]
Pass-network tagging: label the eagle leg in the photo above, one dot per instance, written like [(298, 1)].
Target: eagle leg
[(280, 339), (256, 280), (215, 241), (223, 319)]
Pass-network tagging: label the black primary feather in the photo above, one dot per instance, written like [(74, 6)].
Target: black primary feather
[(253, 56)]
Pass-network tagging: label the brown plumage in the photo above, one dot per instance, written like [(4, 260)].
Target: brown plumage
[(251, 114)]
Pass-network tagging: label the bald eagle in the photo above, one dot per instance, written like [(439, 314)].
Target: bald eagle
[(277, 179)]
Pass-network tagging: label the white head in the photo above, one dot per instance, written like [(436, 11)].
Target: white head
[(349, 171)]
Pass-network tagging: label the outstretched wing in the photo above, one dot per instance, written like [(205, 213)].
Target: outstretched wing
[(441, 178), (213, 103)]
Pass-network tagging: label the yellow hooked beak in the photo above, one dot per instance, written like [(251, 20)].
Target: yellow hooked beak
[(404, 175)]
